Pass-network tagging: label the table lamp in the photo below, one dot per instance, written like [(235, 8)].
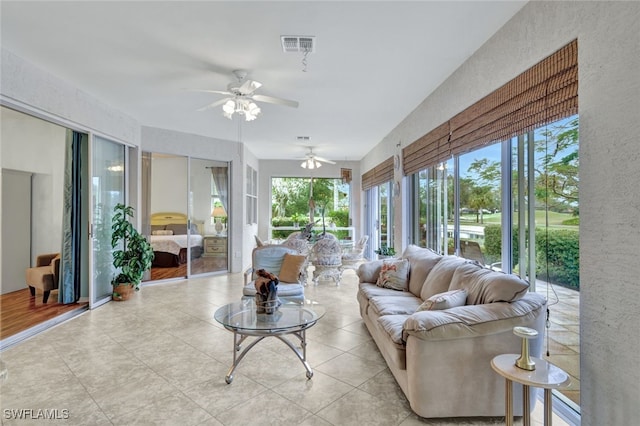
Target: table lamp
[(525, 362), (218, 213)]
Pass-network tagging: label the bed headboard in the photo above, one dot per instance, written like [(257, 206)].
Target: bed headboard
[(165, 218)]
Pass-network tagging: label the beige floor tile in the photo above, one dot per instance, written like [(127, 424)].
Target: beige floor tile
[(216, 396), (173, 410), (315, 394), (351, 369), (348, 410), (265, 408)]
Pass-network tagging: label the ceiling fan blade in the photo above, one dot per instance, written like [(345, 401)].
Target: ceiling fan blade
[(324, 160), (277, 101), (249, 87), (220, 92), (214, 104)]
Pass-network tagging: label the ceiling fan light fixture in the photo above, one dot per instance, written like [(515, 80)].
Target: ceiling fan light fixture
[(311, 163)]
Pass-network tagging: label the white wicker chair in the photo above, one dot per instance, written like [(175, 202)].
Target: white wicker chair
[(351, 258)]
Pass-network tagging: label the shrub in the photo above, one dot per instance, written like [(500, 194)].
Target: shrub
[(561, 249)]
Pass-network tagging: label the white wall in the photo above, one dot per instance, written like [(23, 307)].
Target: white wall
[(171, 142), (169, 184), (608, 36), (36, 146)]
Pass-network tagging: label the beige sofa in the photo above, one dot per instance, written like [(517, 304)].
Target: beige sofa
[(441, 355)]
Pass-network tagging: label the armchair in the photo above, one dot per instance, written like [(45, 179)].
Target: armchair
[(351, 258), (280, 260), (327, 260), (45, 275)]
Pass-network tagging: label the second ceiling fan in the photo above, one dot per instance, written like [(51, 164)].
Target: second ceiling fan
[(312, 161), (241, 98)]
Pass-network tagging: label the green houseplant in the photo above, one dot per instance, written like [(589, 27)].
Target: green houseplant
[(133, 256), (385, 251)]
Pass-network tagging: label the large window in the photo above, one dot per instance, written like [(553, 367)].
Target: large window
[(296, 202), (514, 206)]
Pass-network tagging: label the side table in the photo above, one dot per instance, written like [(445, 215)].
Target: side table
[(546, 376)]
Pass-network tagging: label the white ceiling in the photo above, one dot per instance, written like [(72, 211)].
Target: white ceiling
[(374, 62)]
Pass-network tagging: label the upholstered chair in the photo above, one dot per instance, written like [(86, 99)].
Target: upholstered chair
[(45, 275), (284, 262)]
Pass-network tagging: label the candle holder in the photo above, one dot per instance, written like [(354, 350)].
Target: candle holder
[(525, 362)]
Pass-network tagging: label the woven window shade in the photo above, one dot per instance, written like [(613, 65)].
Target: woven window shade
[(380, 174), (544, 93), (430, 149)]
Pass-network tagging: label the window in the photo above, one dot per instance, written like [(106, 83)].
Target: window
[(252, 196), (517, 202), (296, 202)]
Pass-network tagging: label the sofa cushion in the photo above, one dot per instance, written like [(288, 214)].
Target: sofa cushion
[(421, 261), (372, 290), (394, 274), (446, 300), (384, 305), (487, 286), (392, 325), (439, 279), (368, 272), (291, 267)]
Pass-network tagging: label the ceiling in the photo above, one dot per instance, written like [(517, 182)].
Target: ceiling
[(374, 62)]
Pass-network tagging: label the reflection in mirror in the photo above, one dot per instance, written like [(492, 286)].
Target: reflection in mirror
[(185, 237), (33, 152)]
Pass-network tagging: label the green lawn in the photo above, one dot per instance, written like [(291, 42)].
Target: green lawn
[(555, 219)]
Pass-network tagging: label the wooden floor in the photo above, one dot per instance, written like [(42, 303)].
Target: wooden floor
[(198, 266), (20, 311)]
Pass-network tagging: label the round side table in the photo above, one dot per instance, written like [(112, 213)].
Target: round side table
[(545, 375)]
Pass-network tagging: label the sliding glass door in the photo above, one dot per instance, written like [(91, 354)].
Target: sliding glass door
[(108, 189)]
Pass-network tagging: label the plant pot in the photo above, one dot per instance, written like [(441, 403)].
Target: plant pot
[(384, 256), (122, 292)]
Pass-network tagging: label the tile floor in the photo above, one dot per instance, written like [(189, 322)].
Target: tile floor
[(161, 358), (563, 337)]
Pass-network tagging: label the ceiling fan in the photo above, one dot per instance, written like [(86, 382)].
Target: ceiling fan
[(241, 99), (312, 161)]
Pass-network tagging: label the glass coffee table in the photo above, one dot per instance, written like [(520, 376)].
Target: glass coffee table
[(291, 318)]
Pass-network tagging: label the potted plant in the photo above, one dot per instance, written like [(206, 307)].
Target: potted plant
[(384, 252), (133, 256)]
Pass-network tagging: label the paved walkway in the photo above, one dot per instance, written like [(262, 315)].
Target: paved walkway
[(563, 337)]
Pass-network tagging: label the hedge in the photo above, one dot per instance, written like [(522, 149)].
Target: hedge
[(562, 253)]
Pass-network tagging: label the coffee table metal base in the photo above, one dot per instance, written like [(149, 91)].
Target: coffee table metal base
[(240, 337)]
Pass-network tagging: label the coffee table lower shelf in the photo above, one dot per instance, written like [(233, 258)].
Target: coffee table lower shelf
[(240, 337)]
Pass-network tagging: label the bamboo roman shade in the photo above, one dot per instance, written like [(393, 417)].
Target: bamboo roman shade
[(544, 93), (380, 174)]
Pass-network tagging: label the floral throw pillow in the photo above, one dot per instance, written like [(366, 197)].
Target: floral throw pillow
[(394, 274)]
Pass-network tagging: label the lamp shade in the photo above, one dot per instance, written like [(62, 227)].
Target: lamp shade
[(218, 211)]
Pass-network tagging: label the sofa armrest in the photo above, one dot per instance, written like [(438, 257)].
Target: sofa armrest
[(368, 271), (475, 320)]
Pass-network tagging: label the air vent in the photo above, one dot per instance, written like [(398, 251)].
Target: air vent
[(293, 44), (303, 138)]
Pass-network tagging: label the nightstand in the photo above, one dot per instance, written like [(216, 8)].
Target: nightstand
[(215, 246)]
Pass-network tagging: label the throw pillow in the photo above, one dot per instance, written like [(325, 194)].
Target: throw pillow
[(394, 274), (446, 300), (162, 232), (291, 268)]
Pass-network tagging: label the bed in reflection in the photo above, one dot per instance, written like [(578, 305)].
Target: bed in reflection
[(169, 239)]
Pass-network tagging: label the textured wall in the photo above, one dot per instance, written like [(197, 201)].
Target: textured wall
[(608, 36)]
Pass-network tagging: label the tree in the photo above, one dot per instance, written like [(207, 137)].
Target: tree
[(557, 166), (484, 186)]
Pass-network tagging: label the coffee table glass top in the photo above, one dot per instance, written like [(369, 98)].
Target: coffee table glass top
[(290, 315)]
